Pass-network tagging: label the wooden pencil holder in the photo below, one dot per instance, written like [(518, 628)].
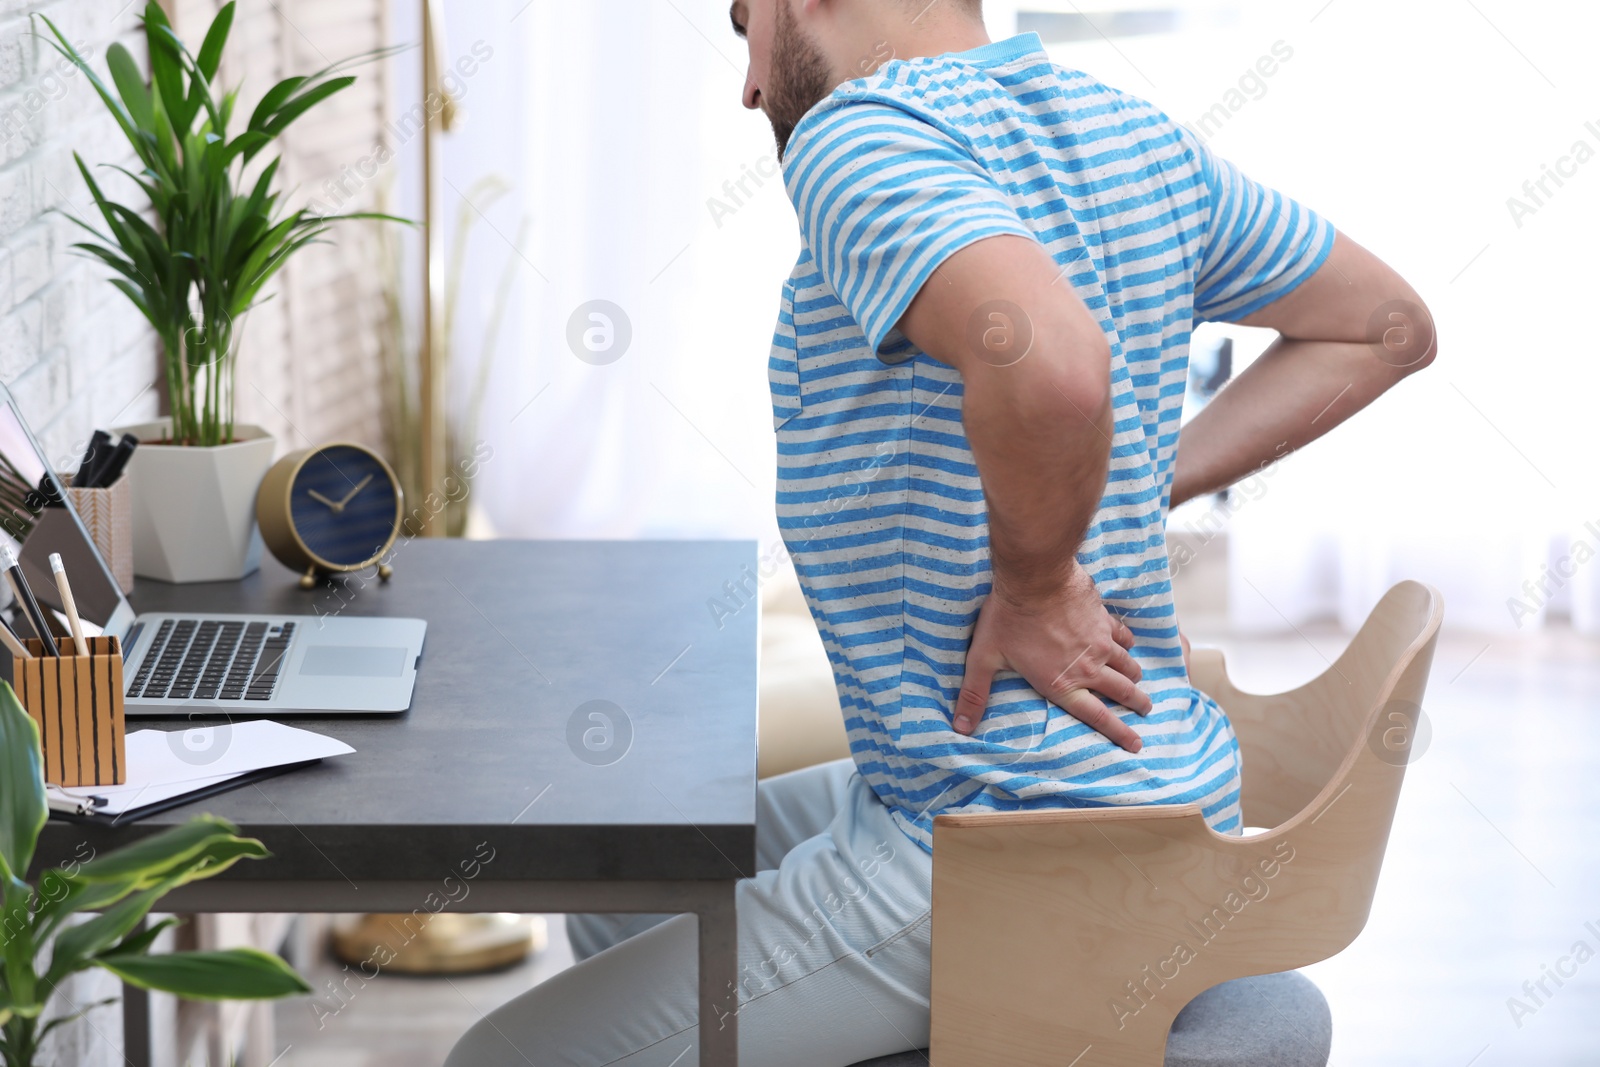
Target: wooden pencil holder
[(107, 514), (77, 703)]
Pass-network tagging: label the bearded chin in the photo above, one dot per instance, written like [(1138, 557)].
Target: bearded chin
[(780, 134), (800, 77)]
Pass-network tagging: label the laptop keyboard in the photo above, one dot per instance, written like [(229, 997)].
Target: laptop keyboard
[(212, 660)]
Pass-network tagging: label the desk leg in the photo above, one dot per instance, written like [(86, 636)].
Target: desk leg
[(719, 971), (136, 1026), (136, 1050)]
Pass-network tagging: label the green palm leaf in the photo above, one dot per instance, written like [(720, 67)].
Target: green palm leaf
[(129, 82), (216, 40), (304, 102)]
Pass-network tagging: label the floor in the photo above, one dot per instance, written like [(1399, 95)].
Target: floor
[(1492, 875), (395, 1020), (1483, 946)]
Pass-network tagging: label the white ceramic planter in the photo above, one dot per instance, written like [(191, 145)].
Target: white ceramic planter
[(194, 509)]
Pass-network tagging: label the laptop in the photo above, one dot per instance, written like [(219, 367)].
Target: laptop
[(194, 663)]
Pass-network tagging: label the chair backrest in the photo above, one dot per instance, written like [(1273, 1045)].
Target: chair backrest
[(1060, 933)]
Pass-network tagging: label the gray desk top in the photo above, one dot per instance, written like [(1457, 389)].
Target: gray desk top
[(521, 635)]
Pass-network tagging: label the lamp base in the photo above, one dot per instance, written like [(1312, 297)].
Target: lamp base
[(445, 943)]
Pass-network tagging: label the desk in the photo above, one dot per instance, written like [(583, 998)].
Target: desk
[(658, 815)]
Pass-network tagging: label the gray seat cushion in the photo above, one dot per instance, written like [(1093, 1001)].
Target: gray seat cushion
[(1270, 1020)]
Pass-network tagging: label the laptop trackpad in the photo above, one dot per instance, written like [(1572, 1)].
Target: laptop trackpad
[(355, 661)]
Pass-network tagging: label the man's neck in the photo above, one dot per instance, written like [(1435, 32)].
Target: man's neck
[(933, 33)]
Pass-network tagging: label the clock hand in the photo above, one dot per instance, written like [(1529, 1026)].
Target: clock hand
[(362, 484), (314, 495)]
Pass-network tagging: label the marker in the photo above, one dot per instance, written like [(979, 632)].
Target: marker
[(13, 643), (106, 473), (30, 606), (60, 571), (98, 445)]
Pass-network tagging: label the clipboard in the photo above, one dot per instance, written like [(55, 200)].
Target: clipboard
[(168, 803), (170, 768)]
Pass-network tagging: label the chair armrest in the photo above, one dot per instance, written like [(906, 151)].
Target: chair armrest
[(1291, 744), (1060, 930), (1208, 672)]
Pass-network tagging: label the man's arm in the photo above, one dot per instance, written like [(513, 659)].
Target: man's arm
[(1348, 333), (1035, 372)]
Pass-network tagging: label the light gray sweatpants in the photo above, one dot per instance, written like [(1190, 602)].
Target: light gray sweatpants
[(834, 953)]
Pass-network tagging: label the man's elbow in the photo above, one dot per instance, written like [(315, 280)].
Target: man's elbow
[(1431, 346), (1403, 333), (1080, 372)]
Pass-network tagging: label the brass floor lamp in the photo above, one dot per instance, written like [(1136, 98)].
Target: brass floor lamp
[(445, 943)]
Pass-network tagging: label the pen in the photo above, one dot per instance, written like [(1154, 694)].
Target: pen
[(9, 638), (30, 606), (68, 605)]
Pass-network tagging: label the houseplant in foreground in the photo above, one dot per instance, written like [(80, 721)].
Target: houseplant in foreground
[(122, 886), (217, 238)]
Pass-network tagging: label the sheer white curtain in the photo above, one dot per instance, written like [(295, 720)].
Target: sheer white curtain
[(643, 184), (1409, 126)]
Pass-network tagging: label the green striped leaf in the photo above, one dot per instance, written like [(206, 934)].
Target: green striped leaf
[(232, 974)]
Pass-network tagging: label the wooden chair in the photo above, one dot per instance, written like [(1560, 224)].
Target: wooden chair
[(1075, 937)]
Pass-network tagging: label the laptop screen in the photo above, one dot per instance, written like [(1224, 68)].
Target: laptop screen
[(35, 521)]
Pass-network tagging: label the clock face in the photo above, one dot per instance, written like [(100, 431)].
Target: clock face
[(343, 505)]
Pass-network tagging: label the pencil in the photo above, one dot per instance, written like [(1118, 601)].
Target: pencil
[(8, 637), (60, 571)]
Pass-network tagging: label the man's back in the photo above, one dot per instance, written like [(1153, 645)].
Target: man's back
[(879, 498)]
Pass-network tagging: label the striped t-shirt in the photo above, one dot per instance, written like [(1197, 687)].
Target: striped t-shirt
[(879, 500)]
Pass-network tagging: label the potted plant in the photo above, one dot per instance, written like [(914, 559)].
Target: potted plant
[(122, 886), (215, 239)]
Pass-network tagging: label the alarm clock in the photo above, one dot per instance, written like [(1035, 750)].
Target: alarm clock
[(330, 510)]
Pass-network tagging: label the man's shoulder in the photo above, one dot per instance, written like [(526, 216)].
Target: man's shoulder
[(932, 91), (975, 106), (859, 110)]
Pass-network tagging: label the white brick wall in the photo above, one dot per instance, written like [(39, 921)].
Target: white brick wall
[(74, 353)]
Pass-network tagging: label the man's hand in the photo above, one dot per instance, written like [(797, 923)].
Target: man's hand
[(1066, 645)]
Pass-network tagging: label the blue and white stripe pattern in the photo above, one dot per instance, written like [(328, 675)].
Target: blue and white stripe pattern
[(879, 500)]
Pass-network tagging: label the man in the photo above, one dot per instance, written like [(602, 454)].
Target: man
[(977, 378)]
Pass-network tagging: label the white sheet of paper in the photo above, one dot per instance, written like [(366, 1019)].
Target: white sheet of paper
[(164, 764)]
